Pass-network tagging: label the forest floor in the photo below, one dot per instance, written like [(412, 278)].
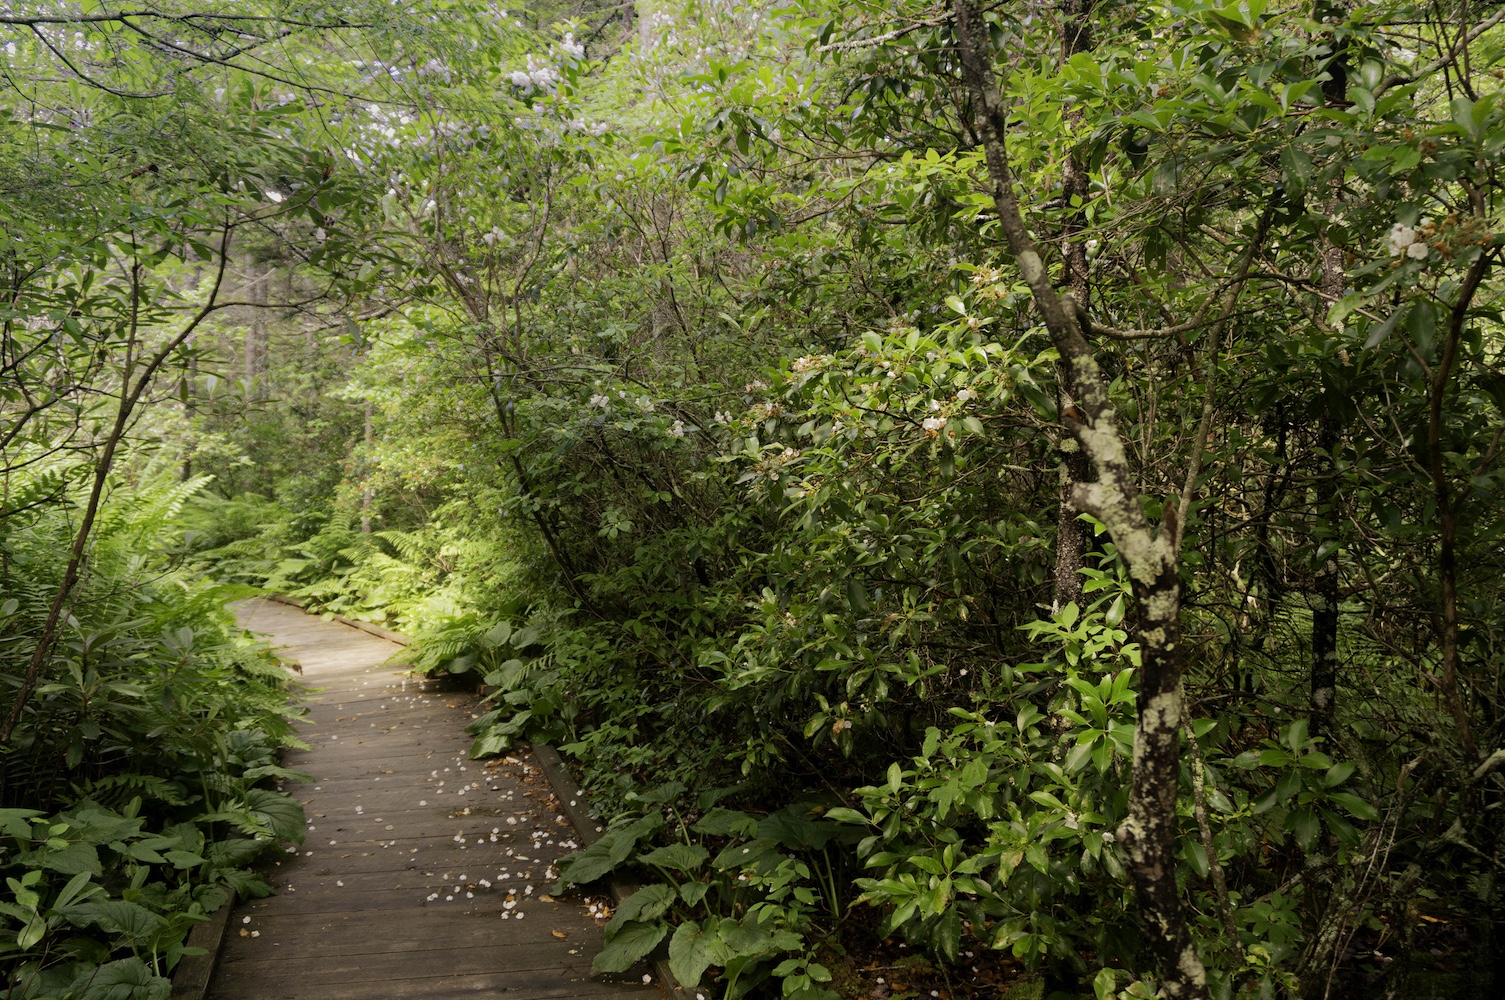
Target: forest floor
[(424, 873)]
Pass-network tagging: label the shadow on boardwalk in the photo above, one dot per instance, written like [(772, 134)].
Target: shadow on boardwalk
[(424, 873)]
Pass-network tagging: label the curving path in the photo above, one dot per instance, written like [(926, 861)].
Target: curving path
[(425, 874)]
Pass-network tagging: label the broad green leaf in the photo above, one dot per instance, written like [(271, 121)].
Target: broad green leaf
[(679, 857), (631, 942), (1356, 805), (720, 822), (647, 904), (691, 952)]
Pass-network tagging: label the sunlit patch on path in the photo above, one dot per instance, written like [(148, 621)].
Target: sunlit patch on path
[(424, 873)]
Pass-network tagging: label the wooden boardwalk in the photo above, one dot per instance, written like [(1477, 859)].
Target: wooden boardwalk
[(425, 874)]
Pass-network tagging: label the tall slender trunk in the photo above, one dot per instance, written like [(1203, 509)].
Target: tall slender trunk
[(136, 376), (1071, 533), (1151, 556), (1447, 512), (367, 495), (258, 336), (1325, 585)]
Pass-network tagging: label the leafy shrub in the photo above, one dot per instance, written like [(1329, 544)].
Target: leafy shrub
[(137, 778)]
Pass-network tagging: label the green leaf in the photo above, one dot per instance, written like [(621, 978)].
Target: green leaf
[(72, 859), (280, 813), (630, 943), (1359, 807), (691, 952), (29, 935), (74, 891), (16, 822), (948, 935), (648, 903), (498, 635), (1337, 774), (1381, 331), (842, 814), (586, 866), (1296, 166), (726, 823), (119, 917), (856, 596), (679, 857), (1463, 116), (125, 979)]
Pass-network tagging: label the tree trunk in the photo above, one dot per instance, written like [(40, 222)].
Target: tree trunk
[(366, 494), (1151, 557), (1325, 587), (1071, 533), (258, 336)]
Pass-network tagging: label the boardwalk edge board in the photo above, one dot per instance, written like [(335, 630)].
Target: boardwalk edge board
[(576, 808), (190, 980), (376, 630), (572, 802)]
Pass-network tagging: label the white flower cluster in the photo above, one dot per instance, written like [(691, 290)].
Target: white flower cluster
[(597, 129), (572, 48), (933, 424), (1405, 240), (965, 396), (601, 401), (538, 76), (678, 430)]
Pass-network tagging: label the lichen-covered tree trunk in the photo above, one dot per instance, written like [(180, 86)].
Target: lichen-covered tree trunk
[(1150, 555)]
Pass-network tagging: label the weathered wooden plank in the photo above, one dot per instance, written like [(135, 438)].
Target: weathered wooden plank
[(355, 917)]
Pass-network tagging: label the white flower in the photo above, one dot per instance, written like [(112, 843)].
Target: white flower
[(933, 424), (722, 417), (518, 78), (601, 401), (1401, 237), (965, 396), (572, 48), (1417, 251), (320, 234), (678, 430)]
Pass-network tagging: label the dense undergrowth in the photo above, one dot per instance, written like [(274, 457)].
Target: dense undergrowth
[(138, 783)]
